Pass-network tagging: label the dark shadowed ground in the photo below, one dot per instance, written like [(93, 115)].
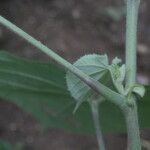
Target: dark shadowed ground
[(72, 28)]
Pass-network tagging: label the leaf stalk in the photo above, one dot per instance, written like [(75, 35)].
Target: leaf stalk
[(95, 113)]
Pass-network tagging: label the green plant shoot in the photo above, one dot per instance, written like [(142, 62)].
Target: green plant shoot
[(93, 80)]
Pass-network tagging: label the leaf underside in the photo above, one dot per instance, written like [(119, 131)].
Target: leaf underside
[(40, 89)]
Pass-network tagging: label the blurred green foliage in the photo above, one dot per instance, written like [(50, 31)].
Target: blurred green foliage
[(115, 13), (7, 146)]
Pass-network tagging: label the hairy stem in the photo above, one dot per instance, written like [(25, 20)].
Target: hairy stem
[(131, 117), (95, 113), (131, 42)]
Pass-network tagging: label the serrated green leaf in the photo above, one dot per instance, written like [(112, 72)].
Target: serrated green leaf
[(93, 65)]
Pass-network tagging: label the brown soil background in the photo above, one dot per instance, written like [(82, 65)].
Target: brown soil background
[(72, 28)]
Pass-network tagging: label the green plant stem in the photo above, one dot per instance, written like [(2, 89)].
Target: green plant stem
[(95, 85), (65, 64), (131, 117), (131, 41), (95, 114)]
